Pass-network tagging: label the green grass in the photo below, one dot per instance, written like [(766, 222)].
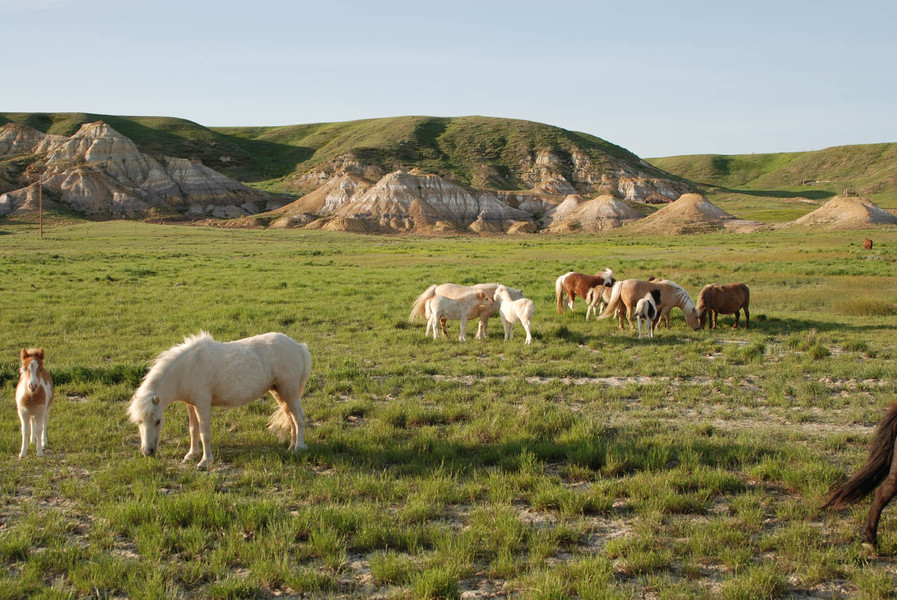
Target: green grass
[(587, 465)]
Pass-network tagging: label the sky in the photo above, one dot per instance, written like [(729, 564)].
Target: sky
[(658, 78)]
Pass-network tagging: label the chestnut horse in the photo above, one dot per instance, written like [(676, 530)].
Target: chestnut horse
[(881, 466), (867, 244), (724, 299), (628, 292), (34, 394), (578, 284)]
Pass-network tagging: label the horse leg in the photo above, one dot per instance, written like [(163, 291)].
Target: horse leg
[(572, 295), (735, 326), (629, 318), (463, 336), (639, 321), (527, 326), (885, 492), (25, 419), (37, 430), (481, 327), (204, 421), (193, 426), (442, 322), (747, 318)]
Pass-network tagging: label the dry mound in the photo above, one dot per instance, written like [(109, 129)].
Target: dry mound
[(691, 213), (843, 212), (599, 214)]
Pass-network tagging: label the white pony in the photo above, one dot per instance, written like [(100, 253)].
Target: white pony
[(204, 373), (453, 290), (34, 395), (646, 310), (441, 307), (512, 311)]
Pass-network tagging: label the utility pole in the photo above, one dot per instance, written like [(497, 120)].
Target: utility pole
[(40, 205)]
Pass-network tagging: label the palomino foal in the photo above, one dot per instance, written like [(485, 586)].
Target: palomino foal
[(34, 394)]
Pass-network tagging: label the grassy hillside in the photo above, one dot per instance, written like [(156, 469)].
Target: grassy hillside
[(779, 186), (480, 151)]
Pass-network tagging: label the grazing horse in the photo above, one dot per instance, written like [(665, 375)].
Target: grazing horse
[(724, 299), (646, 310), (578, 284), (34, 395), (628, 292), (453, 290), (881, 466), (867, 244), (513, 311), (440, 307), (204, 373)]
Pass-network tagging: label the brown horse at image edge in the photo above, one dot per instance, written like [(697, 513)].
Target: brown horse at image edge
[(881, 466)]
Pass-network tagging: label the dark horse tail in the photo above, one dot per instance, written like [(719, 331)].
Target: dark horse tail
[(877, 467)]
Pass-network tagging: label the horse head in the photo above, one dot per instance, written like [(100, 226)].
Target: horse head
[(608, 277), (147, 412), (32, 362)]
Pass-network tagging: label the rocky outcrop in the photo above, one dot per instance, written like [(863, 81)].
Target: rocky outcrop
[(692, 213), (598, 214), (99, 171), (406, 201), (846, 212)]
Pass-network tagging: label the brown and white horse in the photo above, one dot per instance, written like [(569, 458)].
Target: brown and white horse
[(34, 395), (724, 299), (627, 293), (646, 310), (579, 284), (880, 471)]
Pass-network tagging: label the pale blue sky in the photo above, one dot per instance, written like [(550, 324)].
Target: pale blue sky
[(658, 78)]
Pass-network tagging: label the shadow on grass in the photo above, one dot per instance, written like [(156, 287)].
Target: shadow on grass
[(781, 194)]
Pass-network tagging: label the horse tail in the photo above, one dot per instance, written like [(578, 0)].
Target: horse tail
[(280, 423), (877, 467), (559, 291), (615, 302), (418, 309)]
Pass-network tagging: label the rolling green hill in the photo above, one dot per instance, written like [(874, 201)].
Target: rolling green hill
[(479, 151), (772, 187)]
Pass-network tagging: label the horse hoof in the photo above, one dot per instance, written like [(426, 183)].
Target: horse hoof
[(202, 467), (869, 547)]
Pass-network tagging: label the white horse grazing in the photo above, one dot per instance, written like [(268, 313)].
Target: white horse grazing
[(597, 299), (204, 373), (512, 311), (646, 310), (34, 394), (440, 307), (453, 290)]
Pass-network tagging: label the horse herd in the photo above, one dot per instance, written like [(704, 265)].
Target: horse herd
[(203, 373), (648, 301)]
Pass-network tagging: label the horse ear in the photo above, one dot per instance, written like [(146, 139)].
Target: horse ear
[(155, 400), (23, 354), (40, 353)]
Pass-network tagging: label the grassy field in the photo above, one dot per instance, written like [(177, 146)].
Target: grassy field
[(587, 465)]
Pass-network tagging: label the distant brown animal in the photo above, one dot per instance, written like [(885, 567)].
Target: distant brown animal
[(880, 467), (726, 299), (579, 284), (867, 244), (627, 293)]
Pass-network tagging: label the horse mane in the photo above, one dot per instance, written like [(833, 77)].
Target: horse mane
[(681, 297), (607, 274), (140, 403)]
